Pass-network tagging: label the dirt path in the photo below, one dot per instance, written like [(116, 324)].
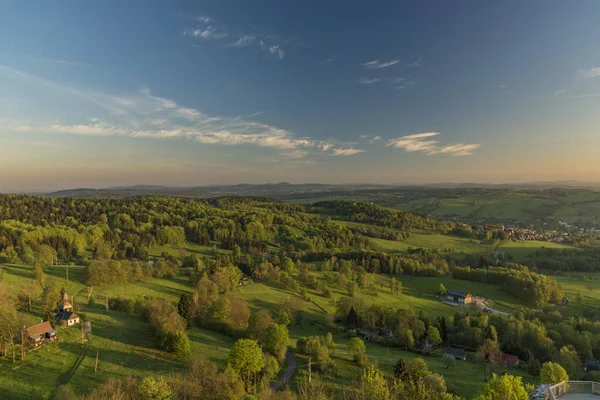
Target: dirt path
[(289, 372)]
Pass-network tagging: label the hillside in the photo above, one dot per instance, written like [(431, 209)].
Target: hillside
[(344, 269)]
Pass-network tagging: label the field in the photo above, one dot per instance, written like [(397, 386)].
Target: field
[(476, 204), (125, 343)]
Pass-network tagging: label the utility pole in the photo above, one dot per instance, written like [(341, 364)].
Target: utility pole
[(106, 302), (81, 321), (23, 343), (96, 367), (67, 272), (309, 370)]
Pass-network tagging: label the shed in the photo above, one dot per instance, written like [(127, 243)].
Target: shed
[(457, 354)]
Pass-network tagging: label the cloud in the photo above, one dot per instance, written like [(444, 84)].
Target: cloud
[(246, 36), (414, 64), (144, 114), (346, 152), (326, 61), (205, 33), (590, 73), (457, 149), (245, 40), (372, 139), (380, 64), (273, 50), (368, 81), (422, 142), (402, 83)]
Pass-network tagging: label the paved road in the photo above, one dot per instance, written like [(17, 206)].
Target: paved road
[(289, 372)]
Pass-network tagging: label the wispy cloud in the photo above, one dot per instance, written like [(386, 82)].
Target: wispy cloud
[(402, 83), (414, 64), (375, 64), (205, 33), (249, 36), (583, 75), (326, 61), (273, 50), (346, 152), (423, 142), (144, 114), (590, 73), (370, 139), (245, 40), (368, 81)]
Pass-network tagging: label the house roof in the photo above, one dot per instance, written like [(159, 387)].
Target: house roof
[(39, 329), (454, 351), (66, 316), (509, 359), (592, 363), (458, 293)]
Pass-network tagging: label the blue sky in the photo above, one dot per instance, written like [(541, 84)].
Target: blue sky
[(110, 93)]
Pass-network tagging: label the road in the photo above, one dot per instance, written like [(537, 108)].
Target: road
[(289, 372)]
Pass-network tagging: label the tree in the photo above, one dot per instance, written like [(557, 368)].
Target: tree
[(433, 336), (258, 323), (151, 388), (352, 318), (181, 344), (373, 385), (395, 286), (184, 308), (401, 370), (246, 359), (352, 288), (442, 290), (405, 338), (275, 340), (505, 387), (489, 352), (357, 350), (553, 373)]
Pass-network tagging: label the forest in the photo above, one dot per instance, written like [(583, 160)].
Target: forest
[(333, 269)]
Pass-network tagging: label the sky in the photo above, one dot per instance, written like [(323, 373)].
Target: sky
[(182, 93)]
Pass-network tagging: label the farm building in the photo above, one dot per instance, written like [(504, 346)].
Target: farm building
[(508, 360), (65, 315), (458, 296), (40, 334), (591, 365), (424, 346), (457, 354)]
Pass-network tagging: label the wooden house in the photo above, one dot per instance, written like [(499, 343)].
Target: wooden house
[(458, 296), (40, 334)]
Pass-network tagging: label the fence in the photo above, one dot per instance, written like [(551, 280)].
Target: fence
[(573, 387)]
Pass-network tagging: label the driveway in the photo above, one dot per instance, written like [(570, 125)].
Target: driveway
[(289, 372)]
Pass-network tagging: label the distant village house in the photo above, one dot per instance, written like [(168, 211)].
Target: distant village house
[(457, 296), (591, 365), (509, 360), (40, 334), (457, 354), (65, 315)]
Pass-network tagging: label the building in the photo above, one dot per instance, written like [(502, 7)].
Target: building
[(424, 346), (40, 334), (65, 315), (591, 365), (457, 354), (508, 360), (457, 296)]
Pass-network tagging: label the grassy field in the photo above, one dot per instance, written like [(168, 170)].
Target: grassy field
[(521, 250)]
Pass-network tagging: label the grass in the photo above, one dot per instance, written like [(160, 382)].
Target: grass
[(458, 246), (186, 249), (521, 250)]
